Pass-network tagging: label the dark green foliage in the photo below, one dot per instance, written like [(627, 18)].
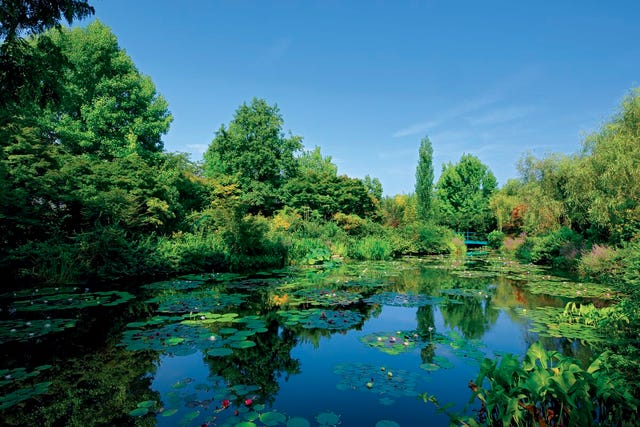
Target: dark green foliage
[(558, 248), (463, 192), (421, 239), (255, 150), (549, 389), (371, 248), (18, 16), (328, 195), (495, 239), (424, 179)]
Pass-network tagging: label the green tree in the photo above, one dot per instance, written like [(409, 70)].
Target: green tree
[(424, 179), (463, 192), (255, 149), (109, 109), (374, 187), (604, 189), (313, 162), (34, 16)]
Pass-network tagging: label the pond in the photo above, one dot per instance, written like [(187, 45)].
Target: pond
[(358, 344)]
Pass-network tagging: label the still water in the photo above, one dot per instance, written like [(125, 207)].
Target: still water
[(357, 344)]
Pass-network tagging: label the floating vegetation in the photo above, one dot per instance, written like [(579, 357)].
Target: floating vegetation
[(206, 300), (328, 419), (174, 285), (465, 293), (404, 300), (321, 319), (439, 362), (393, 342), (14, 378), (469, 349), (46, 301), (553, 322), (326, 297), (184, 335), (25, 330), (375, 379), (566, 289)]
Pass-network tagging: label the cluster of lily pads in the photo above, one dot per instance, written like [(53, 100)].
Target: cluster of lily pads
[(15, 380), (225, 405), (317, 318), (211, 333), (383, 382), (394, 342)]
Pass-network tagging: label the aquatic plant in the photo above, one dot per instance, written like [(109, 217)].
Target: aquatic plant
[(549, 389)]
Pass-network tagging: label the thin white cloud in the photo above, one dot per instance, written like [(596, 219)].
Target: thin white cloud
[(499, 116), (446, 116)]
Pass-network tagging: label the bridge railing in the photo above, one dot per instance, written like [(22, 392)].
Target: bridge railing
[(473, 236)]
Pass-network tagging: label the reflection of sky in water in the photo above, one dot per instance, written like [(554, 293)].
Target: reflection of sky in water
[(314, 390)]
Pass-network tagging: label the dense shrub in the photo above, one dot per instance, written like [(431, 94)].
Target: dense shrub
[(308, 251), (421, 239), (370, 248), (560, 248), (495, 239), (599, 263)]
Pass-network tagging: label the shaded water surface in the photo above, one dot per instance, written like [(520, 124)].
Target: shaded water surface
[(353, 344)]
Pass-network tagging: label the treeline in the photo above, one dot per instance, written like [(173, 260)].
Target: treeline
[(87, 191), (579, 212)]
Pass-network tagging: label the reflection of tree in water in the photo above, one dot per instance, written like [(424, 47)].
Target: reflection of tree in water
[(426, 327), (472, 316), (93, 383), (261, 365)]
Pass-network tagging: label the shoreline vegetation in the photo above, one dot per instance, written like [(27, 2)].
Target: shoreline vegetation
[(88, 194)]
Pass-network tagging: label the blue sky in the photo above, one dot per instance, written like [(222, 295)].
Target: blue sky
[(366, 80)]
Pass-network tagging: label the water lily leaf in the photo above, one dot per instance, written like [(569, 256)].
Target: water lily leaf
[(246, 424), (404, 300), (273, 418), (298, 422), (328, 419), (387, 423), (147, 404), (138, 412), (393, 342), (169, 412), (321, 319), (190, 417), (242, 344), (219, 352)]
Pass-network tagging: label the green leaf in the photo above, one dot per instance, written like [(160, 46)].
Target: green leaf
[(298, 422), (138, 412)]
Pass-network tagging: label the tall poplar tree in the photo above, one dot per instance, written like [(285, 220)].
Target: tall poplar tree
[(424, 179)]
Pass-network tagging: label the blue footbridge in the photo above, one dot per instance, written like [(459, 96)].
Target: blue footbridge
[(473, 239)]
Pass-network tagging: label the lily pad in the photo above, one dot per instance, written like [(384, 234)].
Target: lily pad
[(242, 344), (328, 419), (169, 412), (219, 352), (138, 412), (404, 300), (364, 377), (387, 423), (26, 330), (321, 319), (393, 342), (298, 422), (272, 418)]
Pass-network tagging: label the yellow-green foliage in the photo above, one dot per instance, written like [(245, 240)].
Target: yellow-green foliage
[(370, 248)]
